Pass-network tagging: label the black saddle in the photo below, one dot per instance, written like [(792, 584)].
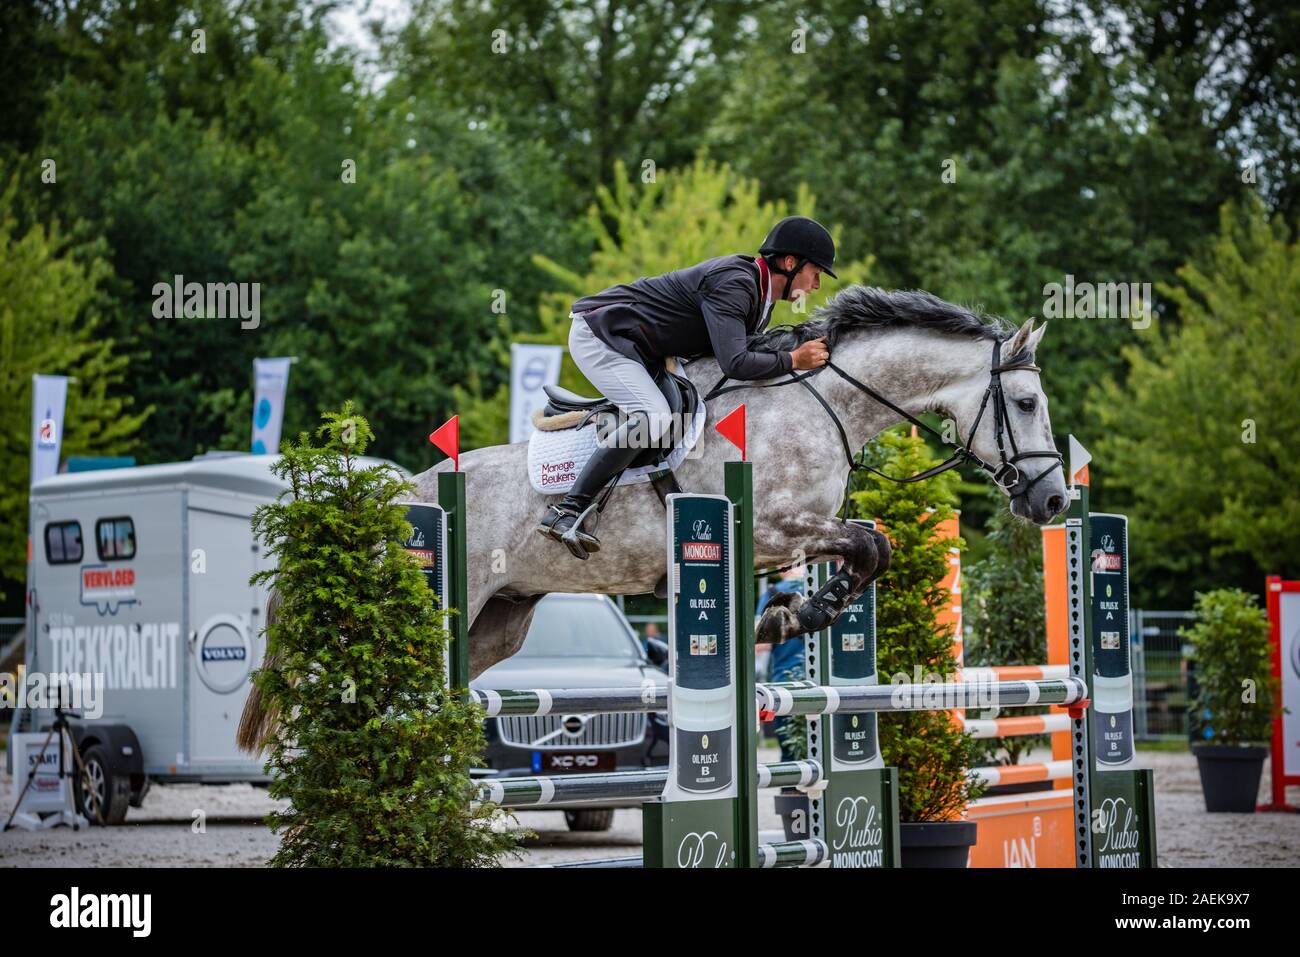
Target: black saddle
[(683, 401)]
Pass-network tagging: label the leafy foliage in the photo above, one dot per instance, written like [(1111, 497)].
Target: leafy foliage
[(380, 226), (1235, 687), (372, 752), (51, 323), (1206, 420), (604, 83)]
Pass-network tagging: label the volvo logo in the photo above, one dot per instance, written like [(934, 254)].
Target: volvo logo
[(573, 724), (223, 647)]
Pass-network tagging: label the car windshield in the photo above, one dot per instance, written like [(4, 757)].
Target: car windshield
[(577, 628)]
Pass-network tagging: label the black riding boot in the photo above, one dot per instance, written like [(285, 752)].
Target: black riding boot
[(565, 521)]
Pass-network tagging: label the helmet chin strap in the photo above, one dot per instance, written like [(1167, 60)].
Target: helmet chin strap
[(789, 275)]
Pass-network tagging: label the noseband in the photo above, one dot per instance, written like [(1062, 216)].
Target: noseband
[(1007, 474)]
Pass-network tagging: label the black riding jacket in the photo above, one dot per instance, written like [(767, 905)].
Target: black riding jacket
[(706, 309)]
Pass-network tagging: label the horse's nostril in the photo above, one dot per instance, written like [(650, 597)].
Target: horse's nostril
[(1056, 504)]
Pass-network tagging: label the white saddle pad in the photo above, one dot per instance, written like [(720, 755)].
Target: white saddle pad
[(555, 459)]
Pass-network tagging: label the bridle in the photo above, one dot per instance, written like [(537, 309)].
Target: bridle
[(1007, 474)]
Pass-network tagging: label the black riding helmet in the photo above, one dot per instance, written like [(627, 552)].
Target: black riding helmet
[(801, 237)]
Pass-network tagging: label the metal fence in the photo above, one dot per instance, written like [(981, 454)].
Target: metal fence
[(1159, 674), (9, 628)]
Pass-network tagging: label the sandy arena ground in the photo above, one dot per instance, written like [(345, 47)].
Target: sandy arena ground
[(164, 832)]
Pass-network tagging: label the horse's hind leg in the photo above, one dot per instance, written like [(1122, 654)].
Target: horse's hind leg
[(865, 557), (499, 630)]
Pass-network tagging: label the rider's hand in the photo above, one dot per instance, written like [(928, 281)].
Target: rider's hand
[(813, 354)]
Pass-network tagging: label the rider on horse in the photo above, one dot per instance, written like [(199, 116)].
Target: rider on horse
[(711, 308)]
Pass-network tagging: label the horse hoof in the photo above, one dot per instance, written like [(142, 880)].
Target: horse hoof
[(776, 625)]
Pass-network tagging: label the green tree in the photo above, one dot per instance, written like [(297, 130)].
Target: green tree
[(932, 755), (981, 151), (381, 225), (371, 751), (682, 217), (51, 323), (1002, 602), (603, 82), (1199, 440), (1225, 70)]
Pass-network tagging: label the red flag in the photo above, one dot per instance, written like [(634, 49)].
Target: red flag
[(732, 428), (447, 438)]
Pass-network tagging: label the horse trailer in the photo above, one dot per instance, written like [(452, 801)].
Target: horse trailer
[(139, 584)]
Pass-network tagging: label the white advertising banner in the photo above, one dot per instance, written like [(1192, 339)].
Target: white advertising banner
[(49, 399), (271, 377), (531, 367)]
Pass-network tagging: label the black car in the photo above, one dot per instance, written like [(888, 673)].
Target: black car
[(576, 641)]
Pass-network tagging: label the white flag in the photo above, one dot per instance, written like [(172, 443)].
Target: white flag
[(49, 399), (272, 382), (1079, 458), (531, 367)]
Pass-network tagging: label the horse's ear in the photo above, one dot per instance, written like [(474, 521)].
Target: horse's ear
[(1019, 344), (1036, 338)]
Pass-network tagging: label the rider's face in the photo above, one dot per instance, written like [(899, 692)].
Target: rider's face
[(809, 278)]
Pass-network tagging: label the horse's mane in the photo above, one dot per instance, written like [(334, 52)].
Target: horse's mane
[(866, 307)]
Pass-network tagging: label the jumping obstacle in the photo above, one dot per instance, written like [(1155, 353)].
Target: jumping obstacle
[(701, 810), (1100, 812), (1035, 828), (1031, 827)]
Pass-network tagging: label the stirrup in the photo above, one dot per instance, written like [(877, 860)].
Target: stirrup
[(575, 542), (579, 537)]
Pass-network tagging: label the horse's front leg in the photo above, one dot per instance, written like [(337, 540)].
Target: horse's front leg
[(864, 553)]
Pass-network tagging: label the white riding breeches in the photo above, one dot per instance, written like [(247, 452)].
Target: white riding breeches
[(623, 381)]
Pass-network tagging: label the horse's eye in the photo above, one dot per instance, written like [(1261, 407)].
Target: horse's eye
[(1027, 405)]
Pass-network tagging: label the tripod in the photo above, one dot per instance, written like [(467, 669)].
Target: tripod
[(69, 813)]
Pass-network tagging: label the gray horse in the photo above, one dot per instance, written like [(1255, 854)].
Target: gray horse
[(918, 351), (913, 350)]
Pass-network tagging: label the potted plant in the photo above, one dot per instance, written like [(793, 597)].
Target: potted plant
[(932, 754), (1234, 699)]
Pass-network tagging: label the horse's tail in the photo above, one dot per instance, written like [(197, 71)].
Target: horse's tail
[(259, 719)]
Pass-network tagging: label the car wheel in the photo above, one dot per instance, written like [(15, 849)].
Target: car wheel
[(102, 795), (595, 819)]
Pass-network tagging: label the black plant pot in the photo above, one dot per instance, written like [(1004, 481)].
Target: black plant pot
[(1230, 776), (794, 808), (937, 844)]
